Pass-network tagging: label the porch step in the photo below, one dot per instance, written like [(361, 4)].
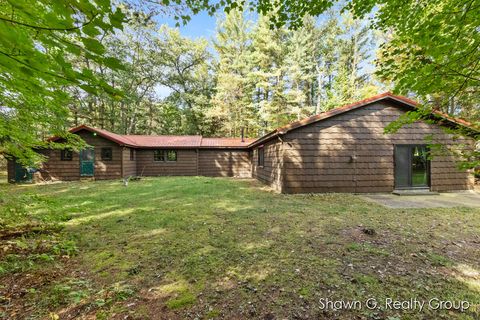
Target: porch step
[(415, 192), (82, 179)]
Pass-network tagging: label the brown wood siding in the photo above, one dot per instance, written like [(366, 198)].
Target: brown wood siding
[(271, 172), (56, 169), (104, 169), (129, 166), (186, 164), (10, 170), (224, 163), (317, 157)]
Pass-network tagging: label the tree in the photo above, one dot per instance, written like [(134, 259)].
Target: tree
[(268, 74), (434, 53), (349, 81), (134, 46), (34, 43), (232, 103), (300, 63), (185, 67), (433, 49)]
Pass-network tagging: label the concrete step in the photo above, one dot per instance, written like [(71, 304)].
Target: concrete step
[(414, 192)]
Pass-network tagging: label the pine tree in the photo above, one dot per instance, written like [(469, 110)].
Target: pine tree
[(348, 80), (300, 63), (268, 74), (232, 104)]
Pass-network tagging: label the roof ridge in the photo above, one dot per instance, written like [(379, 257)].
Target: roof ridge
[(199, 141), (351, 106)]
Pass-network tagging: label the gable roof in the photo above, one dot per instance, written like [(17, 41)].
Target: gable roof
[(164, 141), (197, 141), (386, 96)]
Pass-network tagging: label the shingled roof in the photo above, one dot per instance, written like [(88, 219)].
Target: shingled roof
[(197, 141), (387, 96), (164, 141)]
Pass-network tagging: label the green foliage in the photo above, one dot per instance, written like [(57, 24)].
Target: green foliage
[(62, 65), (433, 52), (183, 300), (153, 59), (232, 104), (268, 77), (36, 42), (31, 225), (185, 68)]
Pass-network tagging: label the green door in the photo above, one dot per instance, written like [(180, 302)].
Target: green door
[(87, 159), (22, 174)]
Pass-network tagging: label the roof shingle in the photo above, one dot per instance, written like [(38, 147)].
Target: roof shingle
[(226, 142), (143, 141), (165, 141)]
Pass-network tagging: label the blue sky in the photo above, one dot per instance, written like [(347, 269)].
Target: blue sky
[(201, 25)]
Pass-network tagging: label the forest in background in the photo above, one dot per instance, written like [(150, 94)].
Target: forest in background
[(249, 76), (104, 64)]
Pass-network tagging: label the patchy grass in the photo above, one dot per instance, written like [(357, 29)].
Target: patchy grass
[(207, 248)]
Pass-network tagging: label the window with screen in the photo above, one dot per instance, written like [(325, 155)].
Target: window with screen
[(106, 154), (66, 155), (159, 155), (171, 155), (261, 157), (132, 154)]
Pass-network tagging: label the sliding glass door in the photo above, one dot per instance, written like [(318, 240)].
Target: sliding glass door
[(412, 168)]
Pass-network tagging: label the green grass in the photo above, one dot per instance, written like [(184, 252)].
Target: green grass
[(3, 176), (225, 248)]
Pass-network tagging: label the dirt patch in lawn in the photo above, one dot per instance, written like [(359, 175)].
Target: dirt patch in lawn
[(202, 248)]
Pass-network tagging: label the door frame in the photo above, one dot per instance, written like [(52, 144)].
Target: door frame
[(93, 162), (410, 186)]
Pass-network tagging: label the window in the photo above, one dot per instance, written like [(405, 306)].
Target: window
[(106, 154), (132, 154), (260, 157), (158, 155), (165, 155), (171, 155), (66, 155)]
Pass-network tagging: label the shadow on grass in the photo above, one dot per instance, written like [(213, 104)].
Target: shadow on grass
[(223, 247)]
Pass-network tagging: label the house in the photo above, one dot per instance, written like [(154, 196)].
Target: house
[(342, 150)]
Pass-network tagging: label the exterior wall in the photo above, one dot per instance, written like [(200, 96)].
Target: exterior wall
[(129, 166), (186, 164), (10, 170), (271, 172), (318, 157), (224, 163), (56, 169)]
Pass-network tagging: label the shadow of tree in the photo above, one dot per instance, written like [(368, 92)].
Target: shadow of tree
[(197, 246)]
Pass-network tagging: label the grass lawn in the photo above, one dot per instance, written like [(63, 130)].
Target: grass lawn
[(195, 247)]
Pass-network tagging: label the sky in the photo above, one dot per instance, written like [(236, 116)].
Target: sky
[(201, 25)]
